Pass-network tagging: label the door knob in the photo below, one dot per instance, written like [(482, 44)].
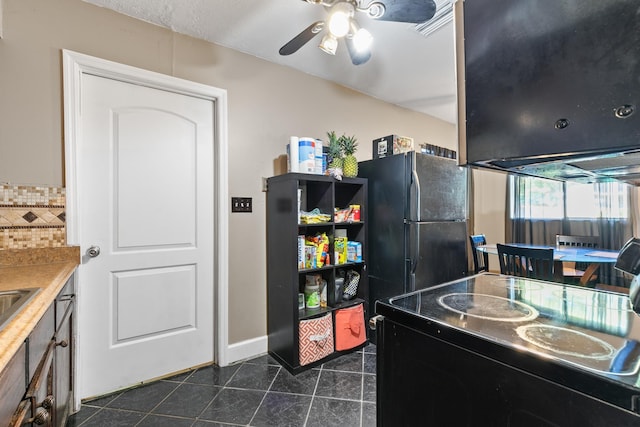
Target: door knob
[(93, 251)]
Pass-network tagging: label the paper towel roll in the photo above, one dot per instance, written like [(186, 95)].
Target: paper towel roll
[(318, 157), (307, 154), (294, 156)]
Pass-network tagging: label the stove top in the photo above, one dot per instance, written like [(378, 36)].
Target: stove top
[(586, 329)]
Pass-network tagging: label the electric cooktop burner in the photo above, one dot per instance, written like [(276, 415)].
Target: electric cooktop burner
[(489, 307), (566, 342)]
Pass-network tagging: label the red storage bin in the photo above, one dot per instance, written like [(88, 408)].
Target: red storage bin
[(316, 339), (350, 330)]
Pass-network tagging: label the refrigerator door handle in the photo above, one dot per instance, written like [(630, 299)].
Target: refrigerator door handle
[(414, 256), (412, 277), (417, 208)]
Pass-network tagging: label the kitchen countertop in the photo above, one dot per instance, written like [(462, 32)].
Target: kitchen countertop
[(47, 269)]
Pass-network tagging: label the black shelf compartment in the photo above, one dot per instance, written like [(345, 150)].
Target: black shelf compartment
[(310, 313)]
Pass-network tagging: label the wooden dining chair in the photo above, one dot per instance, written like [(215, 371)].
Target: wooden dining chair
[(577, 241), (572, 270), (479, 263), (590, 276), (526, 262)]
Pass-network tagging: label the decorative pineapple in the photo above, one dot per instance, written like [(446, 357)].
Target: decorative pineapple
[(335, 151), (350, 163)]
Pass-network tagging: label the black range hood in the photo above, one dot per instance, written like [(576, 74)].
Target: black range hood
[(550, 88)]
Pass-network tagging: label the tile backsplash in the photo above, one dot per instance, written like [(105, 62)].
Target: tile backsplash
[(32, 216)]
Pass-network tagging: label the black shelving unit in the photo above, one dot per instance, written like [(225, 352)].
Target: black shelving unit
[(284, 279)]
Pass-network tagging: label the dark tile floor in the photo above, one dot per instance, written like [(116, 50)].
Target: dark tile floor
[(257, 392)]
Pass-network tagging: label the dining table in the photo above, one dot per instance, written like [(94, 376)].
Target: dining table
[(564, 254)]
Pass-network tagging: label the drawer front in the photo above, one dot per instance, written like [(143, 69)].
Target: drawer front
[(39, 340)]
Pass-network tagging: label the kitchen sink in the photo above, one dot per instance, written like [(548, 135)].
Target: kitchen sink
[(11, 302)]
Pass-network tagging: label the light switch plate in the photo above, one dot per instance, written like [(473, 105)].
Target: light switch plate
[(241, 204)]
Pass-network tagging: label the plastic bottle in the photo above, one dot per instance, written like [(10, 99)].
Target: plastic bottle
[(323, 294), (312, 295)]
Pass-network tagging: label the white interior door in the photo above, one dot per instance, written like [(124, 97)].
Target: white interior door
[(145, 197)]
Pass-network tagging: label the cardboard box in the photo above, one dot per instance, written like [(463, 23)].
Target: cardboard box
[(435, 150), (391, 144), (354, 252), (301, 252), (340, 250), (309, 257)]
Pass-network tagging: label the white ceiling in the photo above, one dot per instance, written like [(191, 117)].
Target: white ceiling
[(406, 68)]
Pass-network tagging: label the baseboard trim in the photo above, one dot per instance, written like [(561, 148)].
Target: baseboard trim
[(246, 349)]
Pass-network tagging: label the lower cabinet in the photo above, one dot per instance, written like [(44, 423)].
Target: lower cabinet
[(36, 386), (12, 385), (63, 354)]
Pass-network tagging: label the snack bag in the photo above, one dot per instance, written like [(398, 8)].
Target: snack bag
[(321, 244), (322, 251), (340, 249)]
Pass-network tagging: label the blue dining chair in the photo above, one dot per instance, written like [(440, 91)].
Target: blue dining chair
[(479, 264)]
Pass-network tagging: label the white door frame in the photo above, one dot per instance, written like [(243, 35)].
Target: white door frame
[(75, 64)]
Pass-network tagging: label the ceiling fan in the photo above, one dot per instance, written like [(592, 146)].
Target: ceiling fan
[(341, 24)]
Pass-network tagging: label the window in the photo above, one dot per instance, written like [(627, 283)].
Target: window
[(539, 198)]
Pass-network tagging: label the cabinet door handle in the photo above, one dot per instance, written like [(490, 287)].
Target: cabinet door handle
[(48, 402), (42, 417), (63, 343)]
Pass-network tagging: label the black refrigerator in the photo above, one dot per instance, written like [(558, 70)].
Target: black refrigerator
[(417, 223)]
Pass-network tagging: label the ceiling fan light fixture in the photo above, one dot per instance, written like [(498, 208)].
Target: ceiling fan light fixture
[(340, 19), (376, 10), (362, 40), (329, 44)]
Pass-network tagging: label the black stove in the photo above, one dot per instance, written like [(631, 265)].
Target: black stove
[(492, 349), (585, 329)]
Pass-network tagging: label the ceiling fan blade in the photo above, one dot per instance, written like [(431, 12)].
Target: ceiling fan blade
[(357, 58), (412, 11), (301, 39)]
